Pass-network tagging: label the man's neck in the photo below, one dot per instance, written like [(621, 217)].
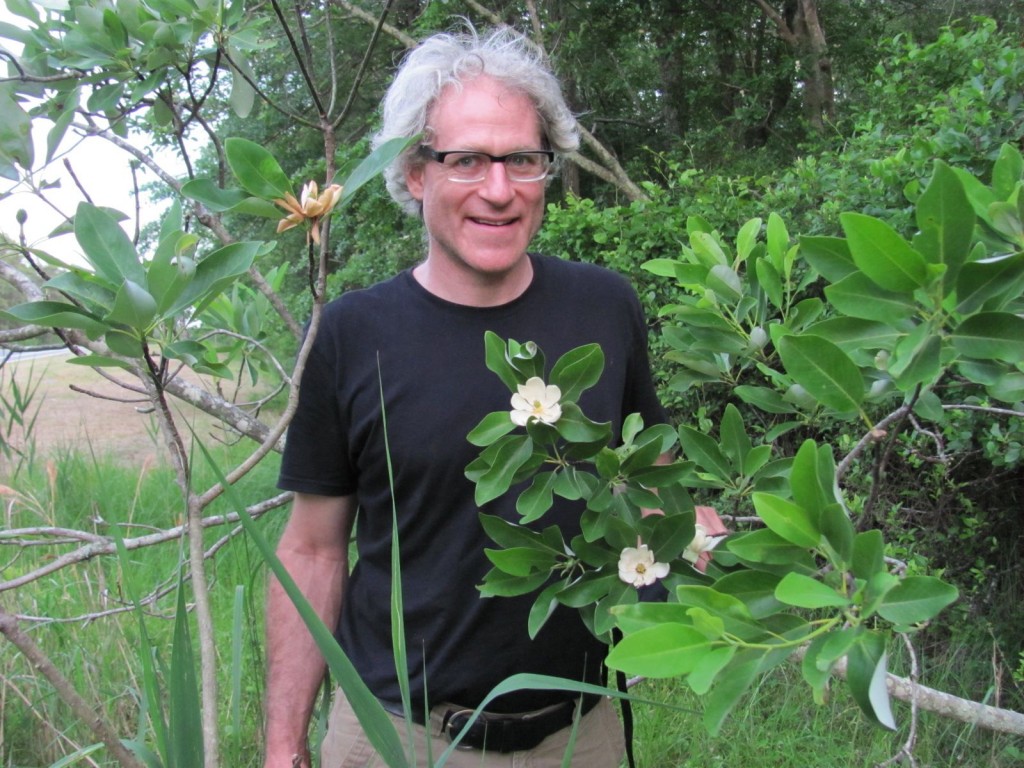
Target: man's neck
[(473, 289)]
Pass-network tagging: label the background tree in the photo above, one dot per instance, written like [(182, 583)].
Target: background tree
[(697, 117)]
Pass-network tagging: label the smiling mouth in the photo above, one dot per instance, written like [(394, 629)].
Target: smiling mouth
[(494, 222)]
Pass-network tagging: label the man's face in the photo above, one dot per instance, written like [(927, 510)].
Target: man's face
[(479, 231)]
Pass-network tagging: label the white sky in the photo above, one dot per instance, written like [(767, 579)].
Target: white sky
[(101, 168)]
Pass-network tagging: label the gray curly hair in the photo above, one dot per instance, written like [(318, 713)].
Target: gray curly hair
[(449, 60)]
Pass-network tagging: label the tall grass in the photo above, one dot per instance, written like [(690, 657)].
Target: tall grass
[(776, 725), (101, 655)]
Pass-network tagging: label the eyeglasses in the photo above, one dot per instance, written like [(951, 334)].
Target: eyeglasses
[(470, 167)]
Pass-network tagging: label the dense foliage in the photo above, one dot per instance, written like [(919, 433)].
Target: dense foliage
[(813, 262)]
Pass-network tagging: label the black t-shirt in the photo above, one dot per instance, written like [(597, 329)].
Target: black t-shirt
[(428, 355)]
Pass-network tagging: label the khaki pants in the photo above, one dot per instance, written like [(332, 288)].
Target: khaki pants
[(599, 744)]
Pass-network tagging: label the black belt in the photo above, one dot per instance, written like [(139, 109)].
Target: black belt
[(505, 732)]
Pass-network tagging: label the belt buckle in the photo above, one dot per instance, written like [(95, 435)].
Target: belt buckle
[(449, 726)]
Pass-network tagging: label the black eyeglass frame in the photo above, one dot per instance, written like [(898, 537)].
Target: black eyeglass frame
[(439, 157)]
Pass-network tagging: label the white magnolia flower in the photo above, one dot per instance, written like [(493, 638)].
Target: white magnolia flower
[(637, 567), (701, 543), (536, 402)]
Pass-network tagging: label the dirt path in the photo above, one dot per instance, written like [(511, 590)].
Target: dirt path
[(65, 418)]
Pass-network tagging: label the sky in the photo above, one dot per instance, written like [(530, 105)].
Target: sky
[(101, 168)]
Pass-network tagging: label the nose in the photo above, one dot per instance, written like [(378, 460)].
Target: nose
[(496, 187)]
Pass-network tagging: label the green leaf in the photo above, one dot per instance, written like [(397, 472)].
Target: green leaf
[(497, 583), (981, 281), (57, 314), (767, 400), (542, 609), (713, 662), (746, 238), (106, 246), (667, 650), (946, 221), (510, 455), (185, 710), (256, 169), (868, 554), (574, 427), (537, 499), (15, 131), (496, 357), (916, 359), (916, 599), (764, 546), (589, 589), (740, 675), (372, 165), (216, 198), (824, 370), (857, 296), (991, 336), (755, 589), (865, 674), (578, 370), (243, 95), (214, 273), (804, 592), (770, 282), (490, 428), (792, 522), (881, 254), (521, 561), (99, 361), (704, 452), (830, 257), (134, 307)]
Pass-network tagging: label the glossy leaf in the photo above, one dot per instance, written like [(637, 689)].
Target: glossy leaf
[(830, 256), (916, 599), (824, 370), (792, 522), (372, 165), (764, 546), (537, 499), (946, 222), (57, 314), (510, 454), (133, 307), (256, 169), (575, 427), (881, 254), (491, 427), (804, 592), (106, 246), (521, 561), (991, 336), (857, 296), (865, 674), (215, 198), (666, 650), (578, 370)]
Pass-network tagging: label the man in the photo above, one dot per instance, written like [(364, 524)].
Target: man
[(492, 120)]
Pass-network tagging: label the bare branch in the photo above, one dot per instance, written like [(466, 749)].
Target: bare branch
[(89, 716)]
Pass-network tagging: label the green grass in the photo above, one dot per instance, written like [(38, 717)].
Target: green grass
[(779, 725), (776, 725), (101, 657)]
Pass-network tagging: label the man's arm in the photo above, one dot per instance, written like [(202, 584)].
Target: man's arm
[(314, 549)]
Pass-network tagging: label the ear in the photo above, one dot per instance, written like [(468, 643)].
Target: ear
[(414, 180)]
